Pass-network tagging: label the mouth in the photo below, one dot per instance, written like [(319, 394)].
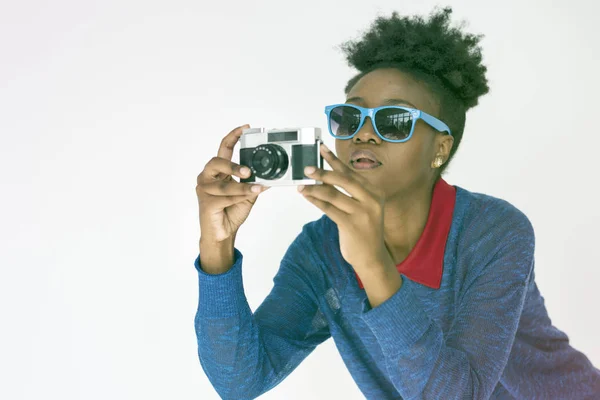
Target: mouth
[(364, 159), (365, 163)]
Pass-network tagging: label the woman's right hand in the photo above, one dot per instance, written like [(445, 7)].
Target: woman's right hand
[(223, 202)]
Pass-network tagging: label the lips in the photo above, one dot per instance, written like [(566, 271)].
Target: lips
[(364, 156)]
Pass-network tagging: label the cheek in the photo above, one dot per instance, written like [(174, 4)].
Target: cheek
[(341, 151), (409, 160), (407, 157), (421, 149)]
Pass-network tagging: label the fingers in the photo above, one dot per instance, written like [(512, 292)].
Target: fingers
[(342, 175), (349, 183), (218, 203), (232, 188), (229, 142), (217, 167), (335, 162), (338, 216), (330, 195)]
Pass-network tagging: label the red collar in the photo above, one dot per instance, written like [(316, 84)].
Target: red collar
[(424, 263)]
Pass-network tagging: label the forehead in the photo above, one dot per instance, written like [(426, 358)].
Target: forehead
[(377, 87)]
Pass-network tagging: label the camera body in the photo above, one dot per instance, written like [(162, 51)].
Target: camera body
[(277, 157)]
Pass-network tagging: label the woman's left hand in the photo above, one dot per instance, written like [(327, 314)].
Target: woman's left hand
[(359, 218)]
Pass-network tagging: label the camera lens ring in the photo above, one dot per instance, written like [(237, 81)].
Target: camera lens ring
[(269, 161)]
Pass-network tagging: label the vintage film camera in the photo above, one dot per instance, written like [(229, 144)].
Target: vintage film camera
[(277, 157)]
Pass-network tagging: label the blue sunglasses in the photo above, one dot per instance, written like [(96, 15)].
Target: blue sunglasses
[(394, 124)]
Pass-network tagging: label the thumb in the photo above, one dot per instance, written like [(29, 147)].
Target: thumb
[(255, 196)]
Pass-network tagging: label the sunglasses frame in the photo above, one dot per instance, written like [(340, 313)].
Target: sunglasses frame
[(370, 112)]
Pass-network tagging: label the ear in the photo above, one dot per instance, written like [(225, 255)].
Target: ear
[(444, 143)]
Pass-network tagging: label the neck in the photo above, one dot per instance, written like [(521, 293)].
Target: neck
[(405, 219)]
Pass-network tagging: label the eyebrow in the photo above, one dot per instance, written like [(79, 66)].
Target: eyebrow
[(386, 101)]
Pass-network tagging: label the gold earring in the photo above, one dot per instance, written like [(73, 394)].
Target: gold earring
[(438, 162)]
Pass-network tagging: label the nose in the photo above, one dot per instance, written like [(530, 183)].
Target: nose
[(366, 133)]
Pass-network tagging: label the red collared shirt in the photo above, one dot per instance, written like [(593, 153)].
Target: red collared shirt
[(424, 263)]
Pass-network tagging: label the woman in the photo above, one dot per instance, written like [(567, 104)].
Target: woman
[(428, 289)]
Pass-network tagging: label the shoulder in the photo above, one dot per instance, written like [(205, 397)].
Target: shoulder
[(321, 231), (493, 231), (320, 238), (312, 240), (315, 230), (313, 254), (485, 215)]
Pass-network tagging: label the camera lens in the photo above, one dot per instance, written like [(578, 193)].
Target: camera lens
[(269, 161)]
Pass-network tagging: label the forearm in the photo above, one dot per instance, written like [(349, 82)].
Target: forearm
[(216, 257), (380, 281), (232, 355), (229, 345), (244, 353), (464, 362)]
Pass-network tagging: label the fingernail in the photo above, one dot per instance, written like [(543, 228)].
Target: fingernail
[(245, 170), (309, 170), (325, 147), (300, 188), (256, 188)]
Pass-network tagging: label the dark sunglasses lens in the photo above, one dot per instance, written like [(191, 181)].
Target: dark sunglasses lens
[(344, 120), (394, 123)]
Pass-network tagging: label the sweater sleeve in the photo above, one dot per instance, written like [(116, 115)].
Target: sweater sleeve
[(245, 354), (467, 361)]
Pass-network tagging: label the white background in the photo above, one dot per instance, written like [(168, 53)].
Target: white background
[(109, 111)]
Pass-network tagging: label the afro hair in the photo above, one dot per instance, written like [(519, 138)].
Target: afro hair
[(446, 60)]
